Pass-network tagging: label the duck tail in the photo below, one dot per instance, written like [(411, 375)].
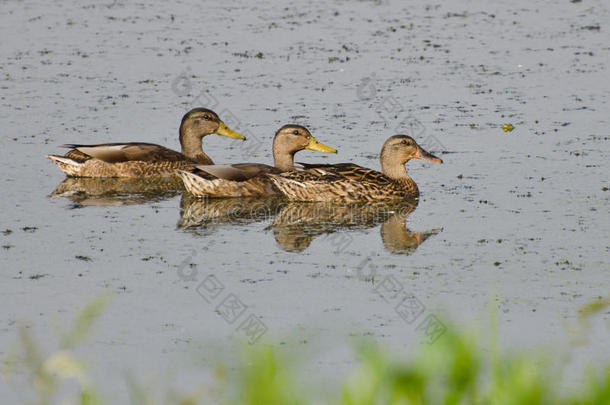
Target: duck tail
[(69, 166), (198, 186)]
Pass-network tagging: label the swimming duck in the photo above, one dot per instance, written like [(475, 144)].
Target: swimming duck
[(348, 182), (138, 159), (249, 179)]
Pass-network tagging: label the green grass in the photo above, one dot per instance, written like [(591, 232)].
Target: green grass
[(454, 370)]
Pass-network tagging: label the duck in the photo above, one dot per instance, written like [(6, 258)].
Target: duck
[(139, 159), (348, 182), (250, 179)]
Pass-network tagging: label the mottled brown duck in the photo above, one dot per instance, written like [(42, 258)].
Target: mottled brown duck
[(348, 182), (138, 159), (250, 179)]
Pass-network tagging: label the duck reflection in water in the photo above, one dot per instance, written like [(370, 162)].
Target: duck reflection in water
[(207, 212), (295, 225), (114, 191), (298, 224)]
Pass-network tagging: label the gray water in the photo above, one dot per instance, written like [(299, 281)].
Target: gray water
[(519, 215)]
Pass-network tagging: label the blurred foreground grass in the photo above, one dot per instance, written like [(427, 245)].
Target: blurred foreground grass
[(455, 370)]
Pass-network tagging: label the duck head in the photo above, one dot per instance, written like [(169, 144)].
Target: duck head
[(200, 122), (292, 138), (398, 150)]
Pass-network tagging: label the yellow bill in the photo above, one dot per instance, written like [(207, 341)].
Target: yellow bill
[(226, 131), (319, 147)]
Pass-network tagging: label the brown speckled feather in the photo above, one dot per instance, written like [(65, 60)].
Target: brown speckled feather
[(93, 167), (359, 184), (348, 182)]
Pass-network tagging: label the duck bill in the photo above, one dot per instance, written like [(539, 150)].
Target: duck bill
[(228, 132), (422, 154), (319, 147)]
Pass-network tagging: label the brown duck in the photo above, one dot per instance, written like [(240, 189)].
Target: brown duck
[(138, 159), (348, 182), (249, 179)]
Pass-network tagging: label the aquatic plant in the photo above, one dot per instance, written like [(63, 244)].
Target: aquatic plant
[(454, 370)]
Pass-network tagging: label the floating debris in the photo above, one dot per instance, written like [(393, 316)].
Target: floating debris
[(507, 127)]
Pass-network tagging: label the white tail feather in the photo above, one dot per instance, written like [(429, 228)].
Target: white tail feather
[(66, 165)]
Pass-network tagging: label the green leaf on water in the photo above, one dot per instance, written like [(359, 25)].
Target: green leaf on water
[(83, 323), (594, 307)]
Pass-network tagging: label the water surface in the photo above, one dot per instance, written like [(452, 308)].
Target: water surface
[(521, 215)]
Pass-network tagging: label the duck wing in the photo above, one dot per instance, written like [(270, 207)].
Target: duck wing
[(238, 171), (131, 151)]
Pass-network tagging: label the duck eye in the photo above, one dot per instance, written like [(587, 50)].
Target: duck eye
[(207, 117), (296, 132)]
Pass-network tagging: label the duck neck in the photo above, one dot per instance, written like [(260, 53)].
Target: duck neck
[(396, 170), (283, 159), (191, 146)]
